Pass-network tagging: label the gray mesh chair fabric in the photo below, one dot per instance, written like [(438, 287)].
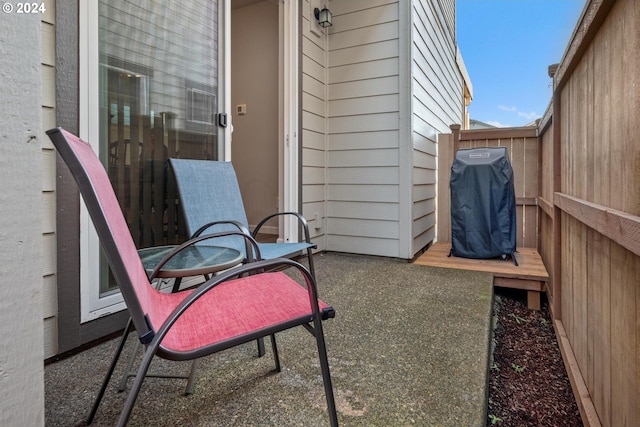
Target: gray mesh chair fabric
[(191, 324), (211, 201)]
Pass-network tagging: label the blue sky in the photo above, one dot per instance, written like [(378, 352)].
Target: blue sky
[(507, 46)]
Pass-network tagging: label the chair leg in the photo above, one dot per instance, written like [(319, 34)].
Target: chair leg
[(105, 382), (150, 351), (326, 376), (276, 357), (127, 373), (261, 350), (192, 375)]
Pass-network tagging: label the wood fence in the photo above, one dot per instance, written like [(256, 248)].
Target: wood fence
[(587, 155), (590, 199)]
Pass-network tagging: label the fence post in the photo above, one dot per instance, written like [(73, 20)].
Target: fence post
[(447, 146), (455, 130)]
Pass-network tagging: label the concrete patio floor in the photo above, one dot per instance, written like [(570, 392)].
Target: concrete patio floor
[(409, 346)]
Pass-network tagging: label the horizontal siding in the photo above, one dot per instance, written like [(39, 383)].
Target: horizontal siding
[(48, 206), (356, 227), (352, 102), (363, 123), (314, 128), (314, 194), (363, 175), (313, 139), (363, 193), (362, 140), (448, 8), (358, 158), (366, 87), (361, 54), (436, 104), (363, 155), (49, 297), (365, 211), (366, 105), (364, 70), (365, 245)]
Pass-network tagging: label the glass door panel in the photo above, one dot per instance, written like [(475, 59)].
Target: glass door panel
[(158, 90)]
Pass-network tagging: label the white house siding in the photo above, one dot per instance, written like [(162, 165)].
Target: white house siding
[(49, 251), (448, 8), (314, 127), (391, 86), (437, 102), (363, 148)]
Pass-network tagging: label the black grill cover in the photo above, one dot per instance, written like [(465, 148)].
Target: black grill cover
[(483, 204)]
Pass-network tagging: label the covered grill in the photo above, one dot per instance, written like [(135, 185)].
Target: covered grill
[(483, 204)]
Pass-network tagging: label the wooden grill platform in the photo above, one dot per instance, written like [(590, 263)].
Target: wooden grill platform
[(530, 274)]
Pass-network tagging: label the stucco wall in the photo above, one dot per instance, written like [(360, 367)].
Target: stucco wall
[(21, 368)]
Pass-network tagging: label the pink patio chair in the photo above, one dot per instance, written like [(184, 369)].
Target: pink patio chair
[(232, 308)]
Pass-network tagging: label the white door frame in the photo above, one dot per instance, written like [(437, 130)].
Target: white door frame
[(92, 306), (290, 18), (224, 75)]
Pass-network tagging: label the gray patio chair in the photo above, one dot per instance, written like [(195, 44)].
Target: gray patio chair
[(211, 201), (240, 305)]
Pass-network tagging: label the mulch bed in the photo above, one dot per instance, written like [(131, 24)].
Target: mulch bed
[(528, 383)]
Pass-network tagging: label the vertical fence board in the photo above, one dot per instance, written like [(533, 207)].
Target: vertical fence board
[(530, 191), (567, 276), (445, 159), (623, 337), (580, 294), (599, 324)]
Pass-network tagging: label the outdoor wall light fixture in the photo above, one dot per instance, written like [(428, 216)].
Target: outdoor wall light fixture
[(323, 16)]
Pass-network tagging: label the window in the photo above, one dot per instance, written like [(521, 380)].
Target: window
[(200, 106)]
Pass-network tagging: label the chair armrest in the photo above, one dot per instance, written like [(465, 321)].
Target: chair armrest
[(249, 240), (301, 219)]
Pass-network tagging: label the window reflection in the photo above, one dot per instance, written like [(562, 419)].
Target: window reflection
[(158, 85)]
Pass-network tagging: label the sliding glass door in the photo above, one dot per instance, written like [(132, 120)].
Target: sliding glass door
[(154, 89)]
